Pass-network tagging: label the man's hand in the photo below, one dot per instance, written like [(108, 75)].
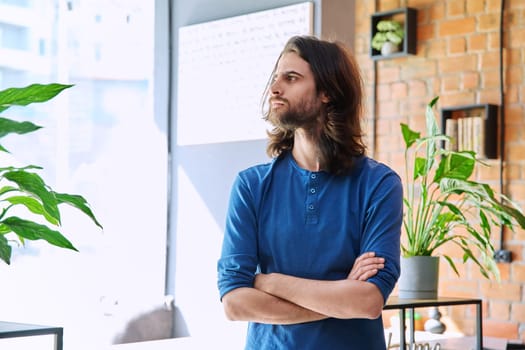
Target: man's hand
[(366, 266)]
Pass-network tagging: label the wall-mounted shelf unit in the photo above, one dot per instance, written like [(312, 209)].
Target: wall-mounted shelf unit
[(473, 127), (408, 17)]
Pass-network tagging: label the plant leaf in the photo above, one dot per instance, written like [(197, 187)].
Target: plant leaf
[(33, 231), (409, 136), (456, 165), (32, 183), (78, 202), (8, 126), (5, 250), (30, 94), (451, 263), (34, 206), (420, 167)]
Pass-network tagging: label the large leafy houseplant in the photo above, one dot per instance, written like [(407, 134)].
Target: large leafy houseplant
[(23, 190), (444, 205)]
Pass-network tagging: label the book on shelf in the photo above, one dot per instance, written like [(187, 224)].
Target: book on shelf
[(451, 130), (466, 134), (478, 135)]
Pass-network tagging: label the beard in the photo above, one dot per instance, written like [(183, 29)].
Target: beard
[(305, 114)]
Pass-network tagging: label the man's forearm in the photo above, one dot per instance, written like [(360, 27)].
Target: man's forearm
[(250, 304), (340, 299)]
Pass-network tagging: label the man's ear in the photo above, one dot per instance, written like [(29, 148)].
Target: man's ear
[(324, 97)]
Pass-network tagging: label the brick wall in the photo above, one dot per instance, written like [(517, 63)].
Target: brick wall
[(458, 59)]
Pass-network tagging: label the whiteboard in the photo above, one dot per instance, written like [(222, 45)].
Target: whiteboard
[(223, 68)]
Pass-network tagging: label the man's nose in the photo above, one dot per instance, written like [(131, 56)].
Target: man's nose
[(275, 88)]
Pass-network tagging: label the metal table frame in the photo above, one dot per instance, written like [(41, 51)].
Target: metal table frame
[(13, 329), (394, 303)]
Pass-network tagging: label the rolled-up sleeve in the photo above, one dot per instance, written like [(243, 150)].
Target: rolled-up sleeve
[(238, 262), (383, 230)]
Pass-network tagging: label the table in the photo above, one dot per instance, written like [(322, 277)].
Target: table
[(13, 329), (394, 303)]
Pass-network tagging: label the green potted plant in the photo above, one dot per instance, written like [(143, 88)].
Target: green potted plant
[(23, 190), (444, 205), (388, 37)]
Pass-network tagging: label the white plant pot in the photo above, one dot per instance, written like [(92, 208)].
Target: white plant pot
[(389, 48)]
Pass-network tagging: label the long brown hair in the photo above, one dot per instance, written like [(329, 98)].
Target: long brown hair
[(336, 74)]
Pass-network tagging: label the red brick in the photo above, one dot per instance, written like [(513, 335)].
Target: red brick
[(458, 64), (489, 60), (388, 75), (399, 90), (500, 329), (493, 5), (418, 69), (518, 272), (457, 27), (515, 75), (517, 37), (475, 6), (388, 109), (384, 92), (470, 80), (493, 39), (490, 79), (490, 95), (477, 42), (514, 115), (512, 95), (437, 11), (425, 32), (518, 312), (458, 288), (386, 5), (488, 22), (417, 88), (455, 8), (457, 46), (450, 83), (457, 99), (488, 173), (517, 189), (437, 49), (513, 57), (499, 310), (501, 291)]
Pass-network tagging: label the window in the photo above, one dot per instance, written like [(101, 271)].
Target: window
[(102, 140)]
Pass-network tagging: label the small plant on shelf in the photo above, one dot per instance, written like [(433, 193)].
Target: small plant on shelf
[(388, 37)]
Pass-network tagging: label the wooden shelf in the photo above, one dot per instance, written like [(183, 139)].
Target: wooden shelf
[(482, 133), (408, 17)]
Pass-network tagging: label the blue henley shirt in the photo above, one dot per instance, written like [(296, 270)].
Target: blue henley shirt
[(282, 218)]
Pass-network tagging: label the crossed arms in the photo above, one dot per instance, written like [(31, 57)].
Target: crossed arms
[(283, 299)]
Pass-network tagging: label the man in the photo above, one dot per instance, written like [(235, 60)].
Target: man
[(311, 246)]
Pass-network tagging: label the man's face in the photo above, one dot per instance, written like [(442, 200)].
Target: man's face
[(294, 101)]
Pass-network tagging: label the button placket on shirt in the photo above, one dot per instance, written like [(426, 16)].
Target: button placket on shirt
[(312, 200)]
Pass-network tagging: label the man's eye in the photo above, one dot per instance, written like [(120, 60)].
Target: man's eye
[(291, 78)]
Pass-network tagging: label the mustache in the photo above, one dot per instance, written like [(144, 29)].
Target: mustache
[(278, 99)]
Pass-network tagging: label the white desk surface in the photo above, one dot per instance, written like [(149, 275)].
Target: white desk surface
[(184, 343)]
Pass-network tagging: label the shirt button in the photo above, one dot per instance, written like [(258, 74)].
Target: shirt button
[(312, 190), (311, 207), (313, 176)]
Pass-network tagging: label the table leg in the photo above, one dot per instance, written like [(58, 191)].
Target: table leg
[(411, 326), (479, 327), (59, 340), (402, 341)]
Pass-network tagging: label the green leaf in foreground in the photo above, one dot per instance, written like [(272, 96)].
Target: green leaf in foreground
[(33, 231), (30, 94)]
